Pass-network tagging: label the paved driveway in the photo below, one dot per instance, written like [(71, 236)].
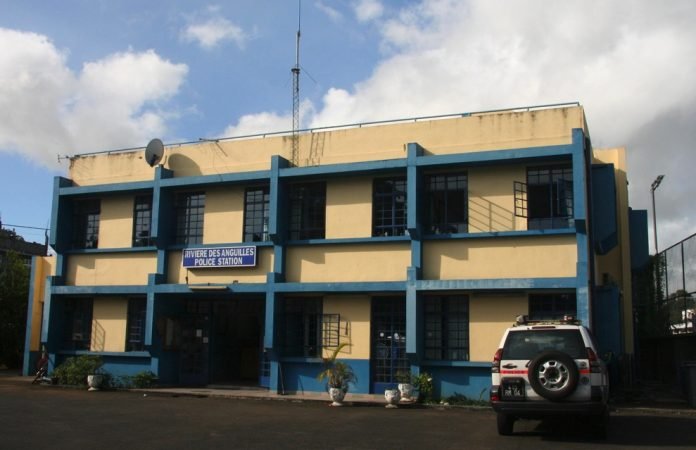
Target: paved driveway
[(43, 417)]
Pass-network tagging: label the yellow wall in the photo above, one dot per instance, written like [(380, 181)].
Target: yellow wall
[(375, 262), (525, 257), (492, 199), (109, 316), (224, 215), (354, 326), (110, 269), (44, 266), (348, 208), (116, 222), (489, 316), (226, 275), (479, 132)]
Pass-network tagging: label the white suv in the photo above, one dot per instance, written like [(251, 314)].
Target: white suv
[(549, 368)]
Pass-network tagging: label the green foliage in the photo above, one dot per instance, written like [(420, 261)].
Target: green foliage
[(140, 380), (463, 400), (404, 376), (14, 293), (74, 370), (423, 383), (652, 309), (337, 373)]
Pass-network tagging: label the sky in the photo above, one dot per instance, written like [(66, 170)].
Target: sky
[(93, 75)]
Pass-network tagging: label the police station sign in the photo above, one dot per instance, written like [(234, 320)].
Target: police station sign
[(242, 256)]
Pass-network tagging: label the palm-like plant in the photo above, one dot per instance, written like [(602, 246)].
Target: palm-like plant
[(337, 373)]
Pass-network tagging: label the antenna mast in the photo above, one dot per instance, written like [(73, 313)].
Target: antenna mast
[(296, 91)]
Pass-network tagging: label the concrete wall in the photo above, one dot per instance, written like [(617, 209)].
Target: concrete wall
[(109, 317), (526, 257), (479, 132), (489, 316), (125, 269), (354, 325)]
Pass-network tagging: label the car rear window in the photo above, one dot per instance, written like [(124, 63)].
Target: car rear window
[(527, 344)]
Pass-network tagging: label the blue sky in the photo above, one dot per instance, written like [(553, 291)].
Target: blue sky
[(82, 76)]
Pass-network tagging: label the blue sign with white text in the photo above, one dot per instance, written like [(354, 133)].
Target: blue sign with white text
[(243, 256)]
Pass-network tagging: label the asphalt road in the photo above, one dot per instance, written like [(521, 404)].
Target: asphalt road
[(43, 417)]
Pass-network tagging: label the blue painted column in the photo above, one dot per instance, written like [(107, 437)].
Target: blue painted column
[(580, 180), (414, 272), (277, 231)]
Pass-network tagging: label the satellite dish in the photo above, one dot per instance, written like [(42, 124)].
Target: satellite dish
[(154, 152)]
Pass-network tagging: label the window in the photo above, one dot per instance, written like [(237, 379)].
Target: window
[(77, 324), (256, 201), (308, 211), (447, 327), (135, 329), (549, 197), (86, 223), (142, 221), (189, 218), (447, 203), (302, 324), (551, 306), (389, 207)]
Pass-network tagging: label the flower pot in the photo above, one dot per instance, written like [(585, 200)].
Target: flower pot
[(94, 381), (337, 395), (392, 396), (406, 391)]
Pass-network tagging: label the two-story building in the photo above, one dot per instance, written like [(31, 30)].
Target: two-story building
[(416, 242)]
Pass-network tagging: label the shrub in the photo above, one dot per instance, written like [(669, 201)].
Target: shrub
[(74, 370), (143, 379)]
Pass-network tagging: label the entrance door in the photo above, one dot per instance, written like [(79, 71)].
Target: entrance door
[(194, 343), (388, 354)]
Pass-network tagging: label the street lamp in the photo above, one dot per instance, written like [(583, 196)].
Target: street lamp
[(655, 184)]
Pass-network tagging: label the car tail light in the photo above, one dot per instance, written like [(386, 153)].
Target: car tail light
[(595, 366), (495, 393), (495, 368)]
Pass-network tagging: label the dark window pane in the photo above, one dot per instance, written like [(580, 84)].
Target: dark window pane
[(389, 207), (135, 336), (308, 211), (447, 203), (301, 327), (256, 213), (447, 327), (189, 209), (86, 223), (142, 221), (552, 306), (549, 197)]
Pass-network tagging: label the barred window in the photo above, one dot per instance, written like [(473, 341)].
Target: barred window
[(302, 326), (549, 197), (142, 221), (256, 213), (447, 203), (308, 211), (389, 207), (86, 223), (189, 209), (135, 336), (447, 327), (552, 306), (77, 324)]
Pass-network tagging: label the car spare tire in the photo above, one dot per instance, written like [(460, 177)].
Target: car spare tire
[(553, 375)]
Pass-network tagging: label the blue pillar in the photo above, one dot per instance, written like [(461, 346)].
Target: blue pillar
[(580, 183), (413, 223)]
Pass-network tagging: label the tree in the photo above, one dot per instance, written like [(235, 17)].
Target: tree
[(14, 293)]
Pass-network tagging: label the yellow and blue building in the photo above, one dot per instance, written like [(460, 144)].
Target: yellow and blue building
[(416, 242)]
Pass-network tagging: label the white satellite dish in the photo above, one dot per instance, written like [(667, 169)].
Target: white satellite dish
[(154, 152)]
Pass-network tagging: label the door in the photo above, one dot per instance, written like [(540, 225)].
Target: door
[(388, 355), (195, 343)]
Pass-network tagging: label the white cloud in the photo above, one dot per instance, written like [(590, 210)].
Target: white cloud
[(213, 32), (268, 122), (46, 109), (368, 10), (331, 13), (631, 68)]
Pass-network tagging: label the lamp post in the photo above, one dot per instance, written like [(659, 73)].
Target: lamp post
[(655, 184)]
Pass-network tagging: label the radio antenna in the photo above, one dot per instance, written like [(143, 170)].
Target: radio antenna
[(296, 91)]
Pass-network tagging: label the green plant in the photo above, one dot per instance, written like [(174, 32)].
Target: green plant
[(460, 399), (403, 376), (74, 370), (144, 379), (423, 382), (337, 373)]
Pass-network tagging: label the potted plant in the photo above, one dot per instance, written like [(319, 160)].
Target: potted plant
[(423, 382), (338, 376), (392, 396), (403, 377)]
